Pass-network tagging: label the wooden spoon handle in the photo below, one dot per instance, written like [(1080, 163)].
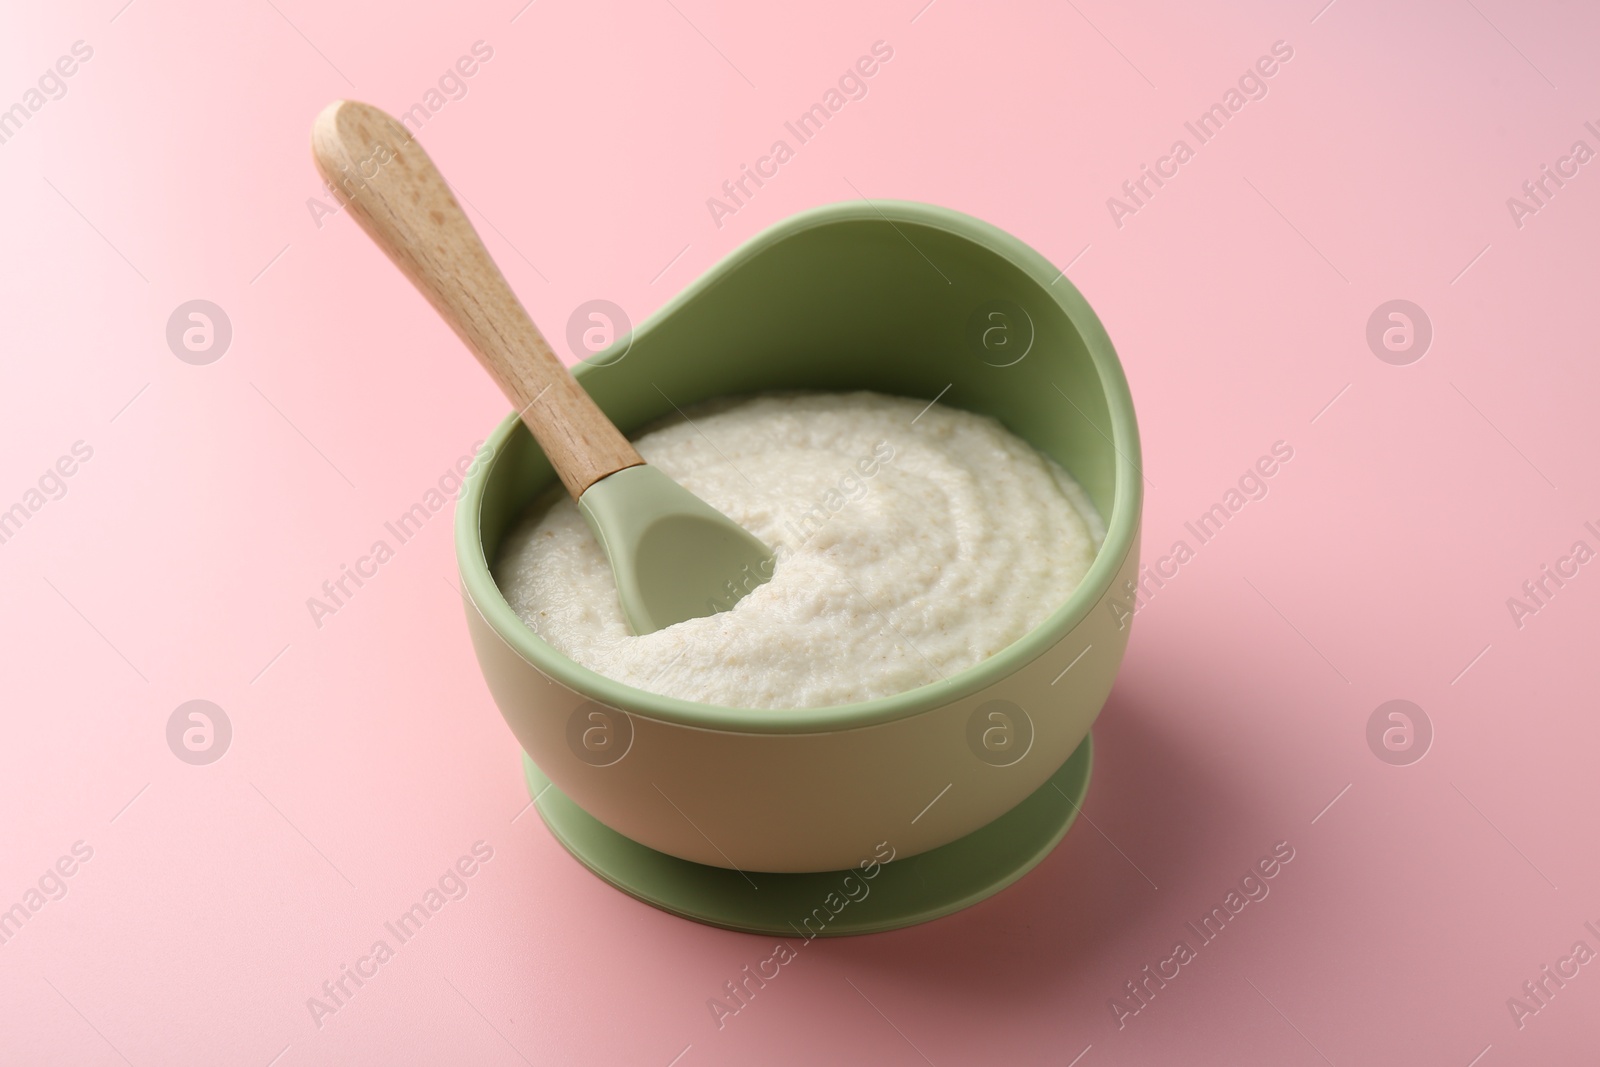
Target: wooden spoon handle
[(401, 200)]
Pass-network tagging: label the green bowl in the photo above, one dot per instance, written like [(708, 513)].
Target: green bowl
[(899, 298)]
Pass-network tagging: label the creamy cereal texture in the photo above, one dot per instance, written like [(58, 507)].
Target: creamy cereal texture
[(911, 545)]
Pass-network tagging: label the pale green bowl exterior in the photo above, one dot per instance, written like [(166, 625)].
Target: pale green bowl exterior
[(878, 296)]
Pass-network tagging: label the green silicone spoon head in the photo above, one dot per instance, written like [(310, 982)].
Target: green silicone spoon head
[(674, 556)]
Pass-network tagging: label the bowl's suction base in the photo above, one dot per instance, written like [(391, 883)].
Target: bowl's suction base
[(903, 892)]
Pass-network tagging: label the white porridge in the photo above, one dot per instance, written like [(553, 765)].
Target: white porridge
[(911, 545)]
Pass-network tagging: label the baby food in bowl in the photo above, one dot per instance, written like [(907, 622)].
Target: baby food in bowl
[(913, 541)]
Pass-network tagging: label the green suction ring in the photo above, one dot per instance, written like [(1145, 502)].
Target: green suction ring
[(901, 893)]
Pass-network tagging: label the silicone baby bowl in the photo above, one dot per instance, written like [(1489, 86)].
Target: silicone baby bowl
[(899, 298)]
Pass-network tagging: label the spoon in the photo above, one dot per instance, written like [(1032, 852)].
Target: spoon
[(674, 556)]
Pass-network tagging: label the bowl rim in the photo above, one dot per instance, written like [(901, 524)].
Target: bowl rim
[(1122, 526)]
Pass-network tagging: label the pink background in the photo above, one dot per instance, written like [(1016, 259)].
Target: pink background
[(367, 755)]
